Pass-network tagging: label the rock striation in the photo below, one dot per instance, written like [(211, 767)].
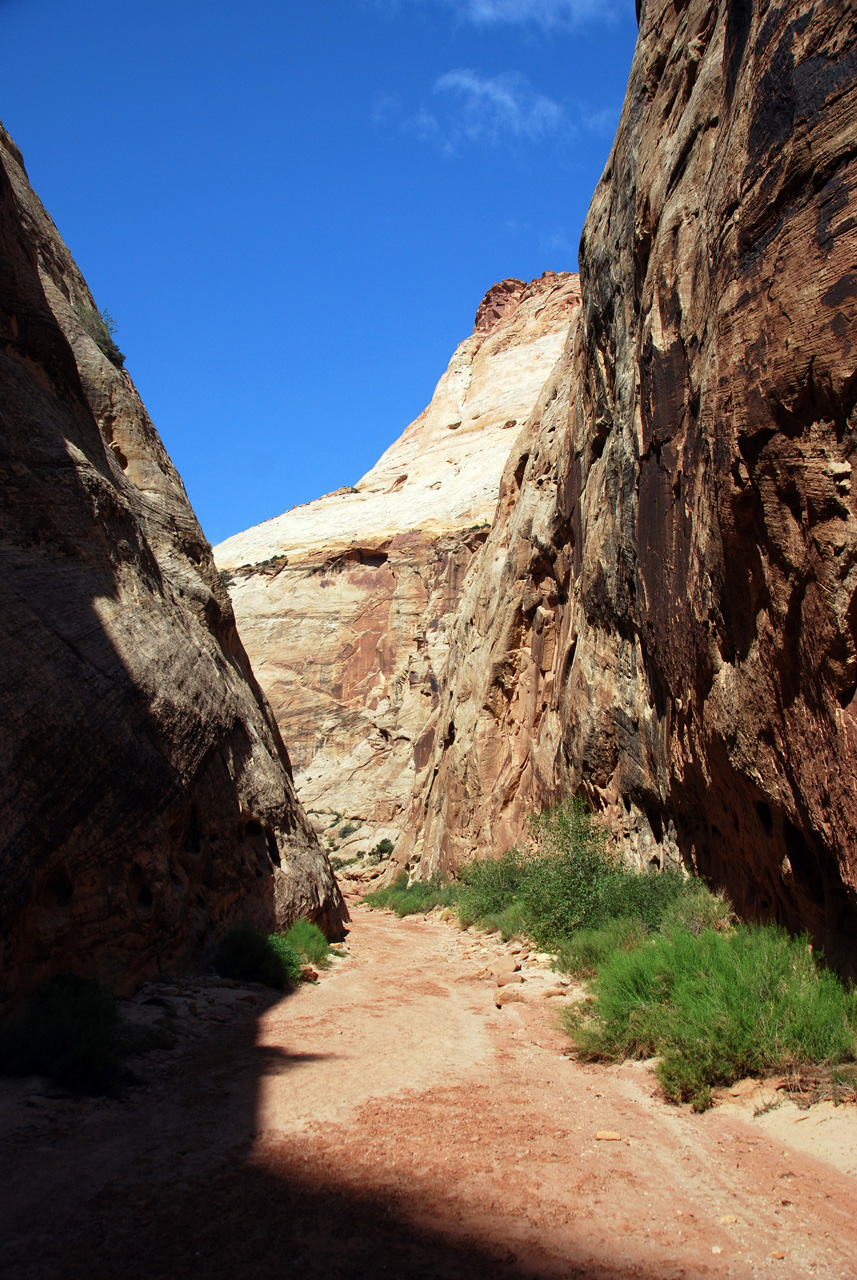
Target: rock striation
[(345, 604), (664, 614), (146, 799)]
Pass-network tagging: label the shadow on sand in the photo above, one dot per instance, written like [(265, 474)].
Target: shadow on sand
[(175, 1180)]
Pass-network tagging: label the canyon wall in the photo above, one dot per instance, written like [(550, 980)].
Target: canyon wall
[(346, 604), (146, 800), (664, 614)]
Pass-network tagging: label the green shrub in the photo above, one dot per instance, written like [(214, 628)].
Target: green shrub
[(645, 896), (718, 1006), (407, 900), (288, 956), (382, 849), (696, 910), (489, 887), (587, 949), (563, 881), (247, 955), (347, 830), (67, 1031), (509, 922), (309, 942)]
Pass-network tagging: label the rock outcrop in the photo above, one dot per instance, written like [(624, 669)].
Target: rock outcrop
[(145, 794), (664, 614), (345, 605)]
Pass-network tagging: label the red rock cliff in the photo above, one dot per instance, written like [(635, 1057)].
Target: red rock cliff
[(145, 794), (664, 614), (346, 604)]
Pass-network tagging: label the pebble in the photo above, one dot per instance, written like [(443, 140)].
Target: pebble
[(608, 1135)]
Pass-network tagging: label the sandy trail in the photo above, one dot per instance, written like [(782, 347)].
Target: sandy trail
[(391, 1120)]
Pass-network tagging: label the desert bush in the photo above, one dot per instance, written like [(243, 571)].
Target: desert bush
[(509, 922), (67, 1031), (247, 955), (407, 899), (567, 873), (716, 1006), (101, 327), (382, 849), (695, 910), (587, 949), (308, 941), (646, 896), (489, 887)]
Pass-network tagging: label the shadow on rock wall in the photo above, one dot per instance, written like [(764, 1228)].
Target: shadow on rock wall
[(145, 795)]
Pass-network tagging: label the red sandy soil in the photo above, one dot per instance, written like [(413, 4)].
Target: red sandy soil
[(390, 1120)]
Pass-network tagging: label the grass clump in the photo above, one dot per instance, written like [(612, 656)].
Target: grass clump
[(247, 955), (718, 1006), (408, 900), (67, 1031), (310, 944)]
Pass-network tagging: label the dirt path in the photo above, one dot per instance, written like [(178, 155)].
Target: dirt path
[(391, 1120)]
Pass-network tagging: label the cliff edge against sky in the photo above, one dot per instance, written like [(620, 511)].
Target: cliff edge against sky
[(346, 604), (664, 614), (145, 791)]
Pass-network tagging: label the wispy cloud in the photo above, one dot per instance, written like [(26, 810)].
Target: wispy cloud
[(547, 14), (466, 107), (541, 13)]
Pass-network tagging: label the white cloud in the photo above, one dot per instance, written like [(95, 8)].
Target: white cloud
[(542, 13), (467, 107), (547, 14)]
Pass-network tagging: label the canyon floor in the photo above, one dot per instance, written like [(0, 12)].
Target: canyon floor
[(391, 1120)]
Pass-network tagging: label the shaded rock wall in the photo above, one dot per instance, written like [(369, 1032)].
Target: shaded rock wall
[(664, 613), (145, 794), (346, 604)]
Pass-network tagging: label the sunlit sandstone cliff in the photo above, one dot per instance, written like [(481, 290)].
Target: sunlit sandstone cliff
[(664, 614), (347, 617), (145, 794)]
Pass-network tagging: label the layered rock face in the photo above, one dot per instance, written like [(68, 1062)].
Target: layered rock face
[(664, 614), (346, 604), (145, 794)]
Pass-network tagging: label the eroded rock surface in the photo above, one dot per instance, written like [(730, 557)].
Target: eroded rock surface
[(345, 605), (145, 794), (664, 613)]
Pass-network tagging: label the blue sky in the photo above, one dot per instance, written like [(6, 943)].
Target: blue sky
[(293, 210)]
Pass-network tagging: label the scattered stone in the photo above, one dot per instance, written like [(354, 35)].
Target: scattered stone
[(549, 992), (308, 974), (727, 1219), (608, 1135), (776, 1253), (507, 995), (504, 979)]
